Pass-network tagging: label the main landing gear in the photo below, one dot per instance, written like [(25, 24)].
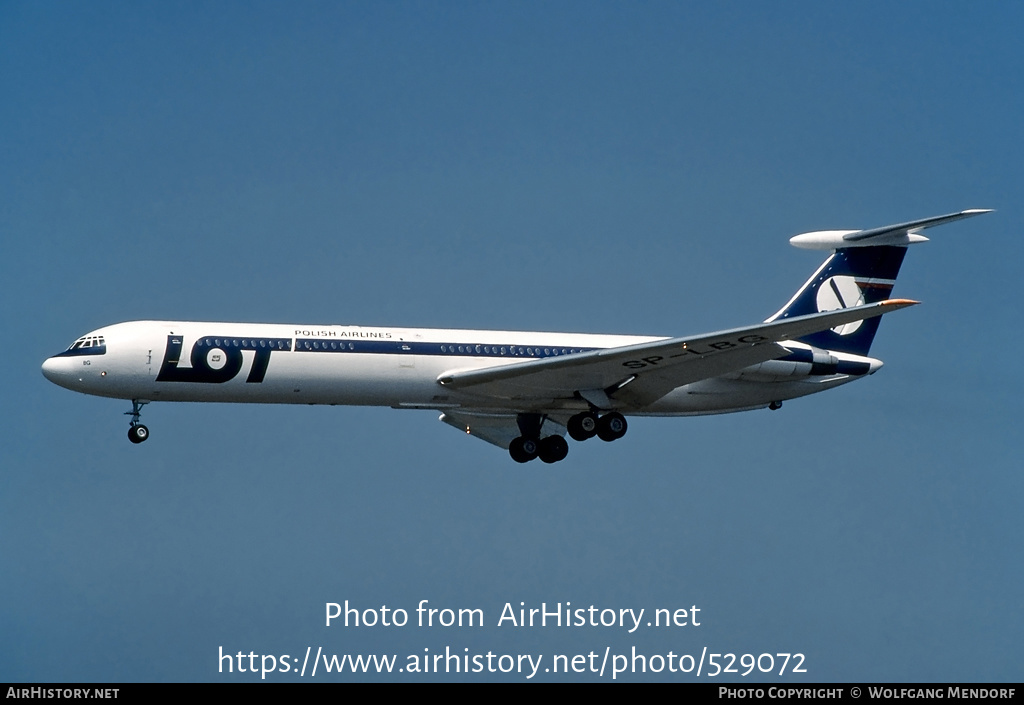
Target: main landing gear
[(610, 427), (551, 449), (137, 433), (530, 445)]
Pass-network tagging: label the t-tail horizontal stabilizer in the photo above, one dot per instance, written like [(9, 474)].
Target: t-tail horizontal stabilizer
[(901, 234)]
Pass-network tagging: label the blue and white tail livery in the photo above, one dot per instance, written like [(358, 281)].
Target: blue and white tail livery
[(523, 391), (851, 277), (862, 270)]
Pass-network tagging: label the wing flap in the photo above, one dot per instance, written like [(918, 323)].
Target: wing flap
[(496, 428)]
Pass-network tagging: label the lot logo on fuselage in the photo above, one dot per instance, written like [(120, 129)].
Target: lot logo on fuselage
[(217, 359)]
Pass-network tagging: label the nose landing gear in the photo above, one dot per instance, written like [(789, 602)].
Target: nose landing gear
[(137, 432)]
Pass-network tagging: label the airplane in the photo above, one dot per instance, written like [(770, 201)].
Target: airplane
[(521, 391)]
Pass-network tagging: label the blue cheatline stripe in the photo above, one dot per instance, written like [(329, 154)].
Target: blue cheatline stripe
[(399, 347), (220, 341)]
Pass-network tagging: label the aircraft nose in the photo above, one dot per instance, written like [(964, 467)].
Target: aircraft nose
[(51, 369), (57, 370)]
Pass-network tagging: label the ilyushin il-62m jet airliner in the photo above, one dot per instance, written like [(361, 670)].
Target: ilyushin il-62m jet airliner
[(521, 391)]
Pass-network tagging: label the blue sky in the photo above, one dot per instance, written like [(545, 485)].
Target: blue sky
[(606, 167)]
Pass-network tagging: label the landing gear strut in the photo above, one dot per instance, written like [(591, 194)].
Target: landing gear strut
[(137, 433)]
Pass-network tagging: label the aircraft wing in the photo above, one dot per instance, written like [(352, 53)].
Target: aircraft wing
[(633, 376)]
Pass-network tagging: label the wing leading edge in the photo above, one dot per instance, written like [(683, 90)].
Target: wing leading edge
[(632, 376)]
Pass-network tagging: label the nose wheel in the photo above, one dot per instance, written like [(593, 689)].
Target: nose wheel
[(137, 432)]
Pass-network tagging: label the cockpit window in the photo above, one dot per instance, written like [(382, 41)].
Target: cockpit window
[(88, 342)]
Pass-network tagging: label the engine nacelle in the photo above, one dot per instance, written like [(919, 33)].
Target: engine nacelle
[(808, 361)]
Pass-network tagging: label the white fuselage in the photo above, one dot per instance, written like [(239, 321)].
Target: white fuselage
[(353, 365)]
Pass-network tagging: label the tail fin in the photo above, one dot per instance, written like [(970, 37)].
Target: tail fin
[(861, 270), (850, 277)]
